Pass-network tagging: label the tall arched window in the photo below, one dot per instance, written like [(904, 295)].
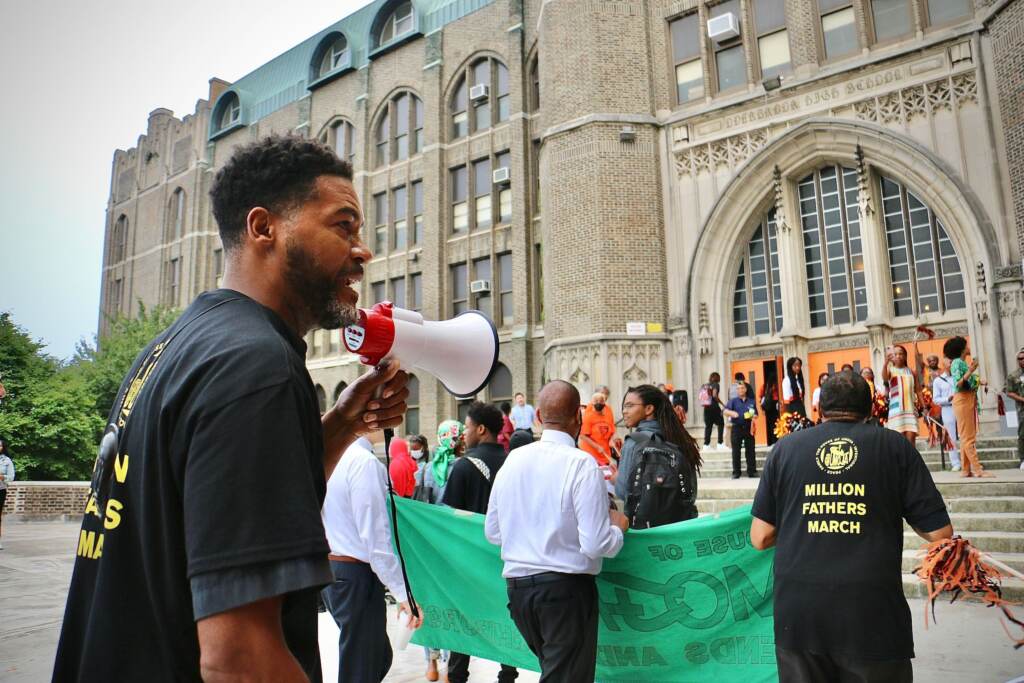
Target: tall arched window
[(176, 215), (500, 387), (923, 265), (321, 399), (335, 57), (534, 102), (399, 132), (757, 299), (119, 239), (412, 412), (401, 21), (341, 137), (480, 98), (833, 255)]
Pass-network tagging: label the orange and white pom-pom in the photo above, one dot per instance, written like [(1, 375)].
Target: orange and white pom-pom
[(954, 566)]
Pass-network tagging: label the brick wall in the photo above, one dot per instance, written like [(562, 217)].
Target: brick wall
[(1007, 32), (41, 500)]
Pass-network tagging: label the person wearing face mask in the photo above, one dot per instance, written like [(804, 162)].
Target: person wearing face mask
[(598, 430)]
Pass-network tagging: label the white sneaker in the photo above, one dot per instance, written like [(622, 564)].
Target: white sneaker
[(707, 447), (955, 468), (1022, 465), (723, 447)]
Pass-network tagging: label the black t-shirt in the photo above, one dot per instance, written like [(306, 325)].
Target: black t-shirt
[(837, 495), (214, 499), (467, 489)]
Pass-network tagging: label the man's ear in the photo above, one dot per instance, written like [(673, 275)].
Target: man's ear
[(259, 226), (540, 419)]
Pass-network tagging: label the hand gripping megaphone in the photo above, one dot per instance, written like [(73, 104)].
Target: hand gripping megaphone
[(461, 352)]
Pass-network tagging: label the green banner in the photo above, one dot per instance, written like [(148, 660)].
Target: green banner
[(686, 602)]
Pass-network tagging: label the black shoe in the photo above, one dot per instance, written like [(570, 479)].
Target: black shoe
[(753, 475), (735, 475)]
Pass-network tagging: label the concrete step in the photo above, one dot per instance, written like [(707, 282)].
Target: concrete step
[(724, 470), (986, 504), (912, 560), (986, 541), (966, 523), (913, 587)]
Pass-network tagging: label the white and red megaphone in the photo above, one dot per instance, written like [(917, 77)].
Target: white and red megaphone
[(461, 352)]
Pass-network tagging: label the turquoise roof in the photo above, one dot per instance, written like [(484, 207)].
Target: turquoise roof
[(285, 78)]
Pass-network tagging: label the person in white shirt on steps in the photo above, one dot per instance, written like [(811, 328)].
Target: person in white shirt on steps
[(550, 512), (355, 516)]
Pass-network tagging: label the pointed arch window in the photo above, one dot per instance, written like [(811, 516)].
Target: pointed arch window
[(923, 266), (757, 298), (481, 97), (399, 132)]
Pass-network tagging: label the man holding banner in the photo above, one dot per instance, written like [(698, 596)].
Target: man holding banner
[(549, 512), (834, 498)]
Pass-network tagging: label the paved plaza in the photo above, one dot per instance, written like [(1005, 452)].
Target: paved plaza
[(968, 644)]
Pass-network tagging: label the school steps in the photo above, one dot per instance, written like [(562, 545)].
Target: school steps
[(995, 453), (989, 512)]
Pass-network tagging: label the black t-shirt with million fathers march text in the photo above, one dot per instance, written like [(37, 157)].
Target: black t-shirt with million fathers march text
[(838, 494), (211, 500)]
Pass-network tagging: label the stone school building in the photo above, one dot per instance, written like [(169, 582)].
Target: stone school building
[(634, 190)]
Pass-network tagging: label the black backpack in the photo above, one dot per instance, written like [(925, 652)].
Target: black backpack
[(663, 486)]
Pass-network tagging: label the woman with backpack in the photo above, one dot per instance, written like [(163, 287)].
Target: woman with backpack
[(659, 445), (712, 403), (793, 388)]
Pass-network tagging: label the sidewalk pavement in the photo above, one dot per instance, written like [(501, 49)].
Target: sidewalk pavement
[(967, 643)]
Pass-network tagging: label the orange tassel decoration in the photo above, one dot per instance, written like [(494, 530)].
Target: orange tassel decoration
[(953, 565)]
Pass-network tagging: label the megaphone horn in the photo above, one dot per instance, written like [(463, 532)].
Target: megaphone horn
[(462, 352)]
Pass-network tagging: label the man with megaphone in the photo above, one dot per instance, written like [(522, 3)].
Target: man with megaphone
[(202, 547)]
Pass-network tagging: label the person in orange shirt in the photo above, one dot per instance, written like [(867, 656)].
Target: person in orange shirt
[(598, 430)]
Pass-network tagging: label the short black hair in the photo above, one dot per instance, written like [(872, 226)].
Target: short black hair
[(845, 394), (277, 172), (487, 415), (739, 377), (954, 347), (506, 407), (420, 439), (520, 437)]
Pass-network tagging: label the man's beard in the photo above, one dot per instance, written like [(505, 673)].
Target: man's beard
[(317, 290)]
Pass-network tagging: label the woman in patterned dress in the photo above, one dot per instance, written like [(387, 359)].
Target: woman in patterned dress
[(903, 400)]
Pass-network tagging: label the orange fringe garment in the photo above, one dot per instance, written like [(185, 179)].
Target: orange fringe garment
[(953, 565)]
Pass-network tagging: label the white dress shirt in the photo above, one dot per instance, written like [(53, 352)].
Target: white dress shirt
[(548, 510), (356, 515)]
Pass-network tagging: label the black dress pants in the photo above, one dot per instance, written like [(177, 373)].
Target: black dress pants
[(557, 617), (770, 418), (712, 417), (801, 666), (356, 600), (741, 438), (458, 670)]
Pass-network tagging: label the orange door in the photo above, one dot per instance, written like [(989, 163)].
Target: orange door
[(754, 371), (831, 362)]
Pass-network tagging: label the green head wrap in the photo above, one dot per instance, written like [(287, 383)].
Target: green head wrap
[(449, 434)]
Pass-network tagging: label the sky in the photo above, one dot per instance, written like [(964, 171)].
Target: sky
[(77, 81)]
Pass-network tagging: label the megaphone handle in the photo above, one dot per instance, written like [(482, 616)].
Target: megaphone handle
[(389, 434)]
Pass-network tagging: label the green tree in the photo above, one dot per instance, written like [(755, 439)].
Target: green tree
[(54, 414), (47, 415), (105, 362)]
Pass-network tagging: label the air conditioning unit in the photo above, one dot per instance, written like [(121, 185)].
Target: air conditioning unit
[(723, 27), (480, 91), (501, 176), (480, 286)]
